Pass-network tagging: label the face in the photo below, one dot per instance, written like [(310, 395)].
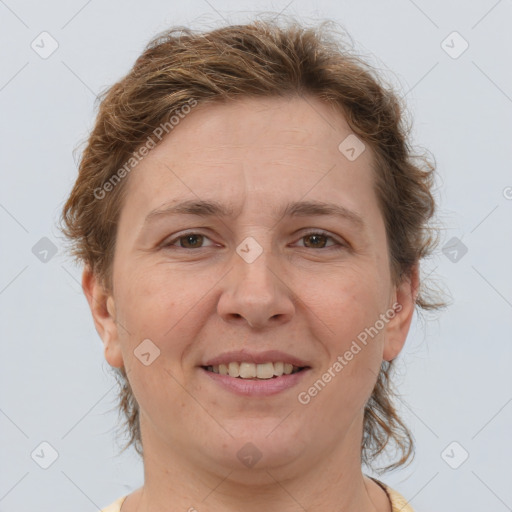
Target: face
[(255, 283)]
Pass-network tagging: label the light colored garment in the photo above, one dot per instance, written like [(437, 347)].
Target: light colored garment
[(398, 502), (116, 506)]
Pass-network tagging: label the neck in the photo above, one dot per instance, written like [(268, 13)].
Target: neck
[(329, 480)]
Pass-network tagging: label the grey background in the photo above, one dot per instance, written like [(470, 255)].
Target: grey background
[(454, 373)]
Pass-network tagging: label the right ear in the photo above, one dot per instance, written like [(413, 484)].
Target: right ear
[(102, 305)]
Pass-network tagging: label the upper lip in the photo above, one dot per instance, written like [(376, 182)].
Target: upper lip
[(243, 356)]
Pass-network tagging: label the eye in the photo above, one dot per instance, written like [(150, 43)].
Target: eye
[(187, 241), (193, 240), (318, 240)]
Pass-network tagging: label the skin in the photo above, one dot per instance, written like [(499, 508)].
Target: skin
[(199, 300)]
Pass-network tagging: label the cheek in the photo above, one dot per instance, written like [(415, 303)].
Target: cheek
[(154, 313), (150, 303), (350, 307), (160, 397), (350, 302), (341, 388)]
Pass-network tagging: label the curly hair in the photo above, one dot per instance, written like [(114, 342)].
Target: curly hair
[(259, 59)]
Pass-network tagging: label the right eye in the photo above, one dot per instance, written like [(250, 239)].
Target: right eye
[(190, 240)]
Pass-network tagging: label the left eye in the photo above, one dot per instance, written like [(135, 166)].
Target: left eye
[(317, 240)]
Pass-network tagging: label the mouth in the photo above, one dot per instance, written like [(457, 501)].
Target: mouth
[(255, 380), (255, 374), (252, 371)]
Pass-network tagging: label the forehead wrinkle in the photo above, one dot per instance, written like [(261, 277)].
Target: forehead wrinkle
[(291, 145)]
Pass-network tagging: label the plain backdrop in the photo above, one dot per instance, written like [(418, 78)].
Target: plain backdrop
[(454, 372)]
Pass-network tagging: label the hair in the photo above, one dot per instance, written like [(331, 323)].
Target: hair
[(259, 59)]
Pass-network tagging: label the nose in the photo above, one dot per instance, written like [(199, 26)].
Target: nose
[(256, 293)]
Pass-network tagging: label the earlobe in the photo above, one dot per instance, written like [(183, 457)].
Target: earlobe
[(102, 306), (405, 303)]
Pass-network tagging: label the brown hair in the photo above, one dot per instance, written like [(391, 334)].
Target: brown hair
[(262, 58)]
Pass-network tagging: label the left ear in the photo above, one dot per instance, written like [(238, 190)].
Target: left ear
[(398, 326)]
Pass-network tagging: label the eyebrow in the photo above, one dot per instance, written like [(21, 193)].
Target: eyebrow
[(203, 208)]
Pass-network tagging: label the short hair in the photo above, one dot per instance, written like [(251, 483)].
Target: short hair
[(262, 58)]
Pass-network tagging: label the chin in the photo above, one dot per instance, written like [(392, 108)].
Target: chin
[(259, 445)]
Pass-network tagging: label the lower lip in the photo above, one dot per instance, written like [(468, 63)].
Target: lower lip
[(261, 387)]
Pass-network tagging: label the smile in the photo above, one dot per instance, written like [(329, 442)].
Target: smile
[(247, 370), (251, 385)]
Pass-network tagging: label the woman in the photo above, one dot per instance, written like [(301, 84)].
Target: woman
[(251, 221)]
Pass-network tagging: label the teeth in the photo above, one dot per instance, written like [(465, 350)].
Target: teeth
[(265, 371), (246, 370), (278, 368), (234, 370)]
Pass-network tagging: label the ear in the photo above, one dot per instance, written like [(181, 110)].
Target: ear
[(398, 326), (103, 310)]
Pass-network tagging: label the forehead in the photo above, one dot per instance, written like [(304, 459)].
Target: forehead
[(272, 123), (264, 151)]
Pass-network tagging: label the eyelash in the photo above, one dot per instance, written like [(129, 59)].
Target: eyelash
[(170, 243)]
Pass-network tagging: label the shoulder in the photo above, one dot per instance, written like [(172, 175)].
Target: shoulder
[(114, 507), (398, 502)]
